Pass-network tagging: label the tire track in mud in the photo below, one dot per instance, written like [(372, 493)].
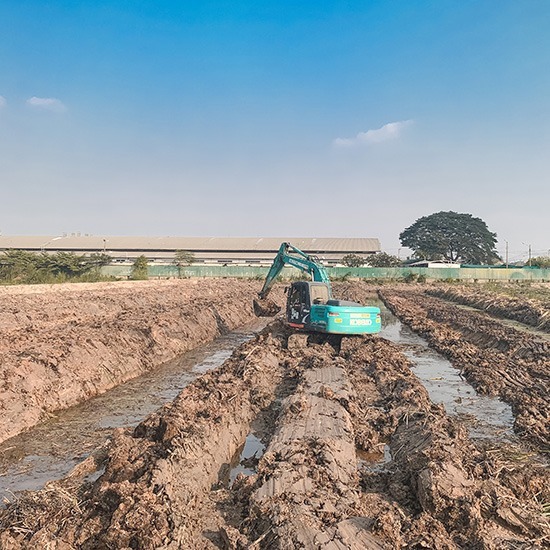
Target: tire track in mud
[(495, 359), (318, 406)]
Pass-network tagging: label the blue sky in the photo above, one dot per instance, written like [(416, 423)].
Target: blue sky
[(275, 118)]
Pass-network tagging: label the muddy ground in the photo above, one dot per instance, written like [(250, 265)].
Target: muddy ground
[(345, 450), (495, 358), (533, 311), (62, 344)]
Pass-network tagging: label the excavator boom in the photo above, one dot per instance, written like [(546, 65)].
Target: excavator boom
[(290, 255)]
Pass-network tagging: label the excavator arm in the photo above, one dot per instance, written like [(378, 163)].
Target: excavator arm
[(290, 255)]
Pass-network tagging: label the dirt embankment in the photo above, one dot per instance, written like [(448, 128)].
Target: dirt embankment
[(496, 359), (535, 313), (324, 410), (62, 344)]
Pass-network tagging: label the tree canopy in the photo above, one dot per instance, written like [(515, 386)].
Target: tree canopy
[(383, 259), (139, 269), (451, 236), (353, 260), (21, 266), (183, 258), (541, 261)]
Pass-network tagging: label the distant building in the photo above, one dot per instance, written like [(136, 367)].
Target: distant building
[(206, 250)]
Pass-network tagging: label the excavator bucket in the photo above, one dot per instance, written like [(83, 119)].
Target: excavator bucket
[(265, 307)]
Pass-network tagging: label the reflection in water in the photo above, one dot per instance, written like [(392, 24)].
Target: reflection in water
[(50, 450), (251, 452), (487, 417)]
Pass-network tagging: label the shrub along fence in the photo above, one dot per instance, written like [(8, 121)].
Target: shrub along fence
[(374, 273)]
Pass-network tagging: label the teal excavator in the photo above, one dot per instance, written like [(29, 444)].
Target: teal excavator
[(310, 305)]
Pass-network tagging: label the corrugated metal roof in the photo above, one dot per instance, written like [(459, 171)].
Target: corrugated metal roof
[(94, 243)]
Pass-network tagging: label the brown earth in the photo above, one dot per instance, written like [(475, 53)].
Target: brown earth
[(525, 310), (324, 408), (356, 455), (496, 359), (62, 344)]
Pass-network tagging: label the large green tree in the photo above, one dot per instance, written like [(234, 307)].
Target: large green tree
[(451, 236)]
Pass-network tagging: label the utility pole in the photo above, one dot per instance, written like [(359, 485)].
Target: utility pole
[(529, 262), (506, 254)]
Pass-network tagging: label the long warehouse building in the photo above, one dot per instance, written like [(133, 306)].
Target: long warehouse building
[(206, 250)]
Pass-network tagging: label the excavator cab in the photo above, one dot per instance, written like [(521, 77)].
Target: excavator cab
[(301, 296), (310, 306)]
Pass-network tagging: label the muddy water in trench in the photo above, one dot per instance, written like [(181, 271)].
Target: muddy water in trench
[(49, 451), (486, 417)]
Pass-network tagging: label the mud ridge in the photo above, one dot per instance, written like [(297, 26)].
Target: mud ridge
[(524, 310), (325, 409), (496, 359), (154, 476), (62, 344)]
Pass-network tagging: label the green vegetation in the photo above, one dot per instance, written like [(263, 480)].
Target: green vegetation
[(541, 261), (23, 267), (353, 260), (411, 277), (182, 259), (451, 236), (382, 259), (139, 269)]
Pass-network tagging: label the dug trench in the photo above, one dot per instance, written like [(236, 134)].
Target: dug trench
[(322, 408), (495, 358), (63, 344)]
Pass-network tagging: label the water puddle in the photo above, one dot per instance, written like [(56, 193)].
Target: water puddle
[(247, 461), (486, 417), (373, 461), (49, 451)]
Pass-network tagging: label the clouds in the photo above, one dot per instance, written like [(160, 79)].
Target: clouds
[(47, 104), (39, 103), (389, 131)]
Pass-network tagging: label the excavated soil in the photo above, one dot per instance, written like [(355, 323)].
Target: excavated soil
[(62, 344), (304, 441), (496, 359), (535, 313), (348, 450)]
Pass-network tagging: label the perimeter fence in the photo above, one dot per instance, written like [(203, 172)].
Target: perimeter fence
[(336, 273)]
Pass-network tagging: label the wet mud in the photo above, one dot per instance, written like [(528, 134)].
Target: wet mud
[(304, 441), (60, 345), (51, 449), (496, 359)]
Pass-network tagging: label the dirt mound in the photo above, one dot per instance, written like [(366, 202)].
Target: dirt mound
[(62, 344), (322, 409)]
